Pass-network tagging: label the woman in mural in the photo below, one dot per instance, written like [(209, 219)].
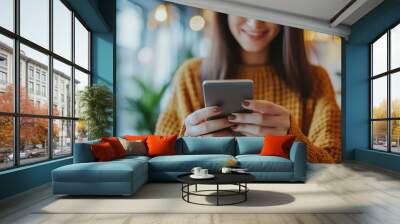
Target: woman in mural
[(291, 96)]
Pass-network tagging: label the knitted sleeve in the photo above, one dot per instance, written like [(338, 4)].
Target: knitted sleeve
[(183, 101), (324, 136)]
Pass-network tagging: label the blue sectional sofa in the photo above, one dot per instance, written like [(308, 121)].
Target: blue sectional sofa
[(125, 176)]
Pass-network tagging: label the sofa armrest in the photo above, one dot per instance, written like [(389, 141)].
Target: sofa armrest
[(298, 155), (83, 152)]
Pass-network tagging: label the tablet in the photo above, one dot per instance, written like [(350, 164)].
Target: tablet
[(228, 94)]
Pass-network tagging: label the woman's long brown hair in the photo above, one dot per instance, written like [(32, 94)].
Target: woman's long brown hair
[(287, 55)]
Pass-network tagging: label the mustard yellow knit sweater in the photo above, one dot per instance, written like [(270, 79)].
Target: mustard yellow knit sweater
[(316, 121)]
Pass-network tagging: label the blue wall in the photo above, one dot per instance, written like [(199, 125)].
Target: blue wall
[(24, 178), (356, 85), (99, 15)]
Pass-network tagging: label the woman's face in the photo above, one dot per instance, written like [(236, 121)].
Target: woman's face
[(252, 35)]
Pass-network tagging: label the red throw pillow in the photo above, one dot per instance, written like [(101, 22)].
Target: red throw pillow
[(103, 152), (116, 145), (135, 137), (277, 145), (161, 145)]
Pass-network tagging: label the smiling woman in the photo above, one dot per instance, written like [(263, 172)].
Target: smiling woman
[(291, 96)]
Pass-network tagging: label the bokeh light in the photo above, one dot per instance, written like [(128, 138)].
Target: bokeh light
[(161, 13), (197, 23)]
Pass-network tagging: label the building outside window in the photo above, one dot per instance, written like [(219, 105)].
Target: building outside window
[(3, 60), (37, 89), (3, 72), (43, 90), (30, 72), (57, 129), (30, 87), (3, 78)]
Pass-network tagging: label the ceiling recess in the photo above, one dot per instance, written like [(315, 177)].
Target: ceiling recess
[(326, 16)]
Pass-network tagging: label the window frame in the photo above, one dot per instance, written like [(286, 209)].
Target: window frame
[(16, 115), (388, 74)]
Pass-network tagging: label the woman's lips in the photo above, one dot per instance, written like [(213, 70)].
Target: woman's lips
[(255, 35)]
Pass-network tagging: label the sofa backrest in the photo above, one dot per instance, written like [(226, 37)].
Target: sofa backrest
[(206, 145), (249, 145), (83, 152), (190, 146)]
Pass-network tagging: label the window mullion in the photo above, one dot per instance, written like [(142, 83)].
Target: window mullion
[(50, 81), (389, 105), (73, 82), (16, 84), (371, 140)]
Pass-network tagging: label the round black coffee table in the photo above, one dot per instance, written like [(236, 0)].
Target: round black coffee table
[(238, 179)]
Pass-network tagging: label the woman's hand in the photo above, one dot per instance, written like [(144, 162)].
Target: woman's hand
[(197, 123), (267, 118)]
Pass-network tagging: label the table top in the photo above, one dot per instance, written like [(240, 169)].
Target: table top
[(220, 178)]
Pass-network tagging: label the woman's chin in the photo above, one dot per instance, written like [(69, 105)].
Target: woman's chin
[(253, 49)]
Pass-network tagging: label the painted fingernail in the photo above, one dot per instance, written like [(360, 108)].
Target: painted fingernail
[(246, 103), (231, 117), (217, 109)]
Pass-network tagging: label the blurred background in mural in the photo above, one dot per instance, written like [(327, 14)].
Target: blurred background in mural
[(155, 37)]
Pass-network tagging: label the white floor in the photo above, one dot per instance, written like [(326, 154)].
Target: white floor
[(377, 189)]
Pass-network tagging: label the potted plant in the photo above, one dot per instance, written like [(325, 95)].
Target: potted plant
[(96, 102)]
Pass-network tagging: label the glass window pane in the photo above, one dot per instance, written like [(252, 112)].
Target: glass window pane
[(395, 47), (81, 131), (379, 135), (6, 74), (34, 72), (62, 138), (395, 136), (7, 14), (6, 142), (379, 56), (395, 94), (62, 89), (35, 21), (33, 140), (81, 45), (379, 97), (81, 81), (62, 29)]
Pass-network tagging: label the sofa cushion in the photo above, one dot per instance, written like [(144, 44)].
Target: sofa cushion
[(159, 145), (185, 163), (112, 171), (132, 159), (136, 147), (249, 145), (257, 163), (103, 152), (206, 145), (275, 145)]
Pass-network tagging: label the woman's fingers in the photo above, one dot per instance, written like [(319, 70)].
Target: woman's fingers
[(260, 119), (257, 130), (265, 107), (208, 127), (202, 115)]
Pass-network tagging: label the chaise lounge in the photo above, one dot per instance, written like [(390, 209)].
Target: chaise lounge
[(125, 176)]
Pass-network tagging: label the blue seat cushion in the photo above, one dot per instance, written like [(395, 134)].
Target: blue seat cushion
[(249, 145), (185, 163), (112, 171), (257, 163), (206, 145)]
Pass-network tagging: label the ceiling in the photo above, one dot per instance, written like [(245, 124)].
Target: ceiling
[(327, 16)]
